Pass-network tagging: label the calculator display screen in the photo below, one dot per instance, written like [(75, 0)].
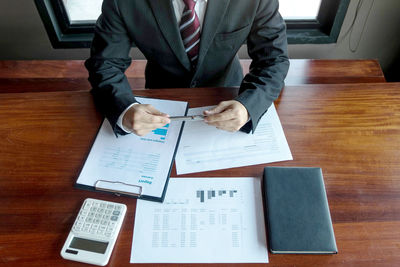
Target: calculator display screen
[(89, 245)]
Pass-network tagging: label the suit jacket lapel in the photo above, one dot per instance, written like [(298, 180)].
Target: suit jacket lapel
[(164, 14), (214, 14)]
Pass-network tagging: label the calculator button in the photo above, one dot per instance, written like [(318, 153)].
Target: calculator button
[(106, 217), (110, 206), (104, 222), (93, 209), (116, 212), (114, 218), (87, 206), (118, 207), (102, 205), (100, 210), (89, 220)]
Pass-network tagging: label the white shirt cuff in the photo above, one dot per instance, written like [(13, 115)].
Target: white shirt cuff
[(119, 121)]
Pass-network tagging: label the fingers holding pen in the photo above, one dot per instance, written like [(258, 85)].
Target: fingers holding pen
[(143, 118), (227, 115)]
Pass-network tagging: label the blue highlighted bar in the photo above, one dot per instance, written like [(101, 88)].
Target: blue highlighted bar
[(160, 131)]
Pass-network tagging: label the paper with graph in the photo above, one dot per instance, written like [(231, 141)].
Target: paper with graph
[(132, 164), (202, 220)]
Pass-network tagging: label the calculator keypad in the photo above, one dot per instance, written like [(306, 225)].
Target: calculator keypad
[(97, 218)]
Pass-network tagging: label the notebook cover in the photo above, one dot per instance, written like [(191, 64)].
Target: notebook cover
[(298, 214)]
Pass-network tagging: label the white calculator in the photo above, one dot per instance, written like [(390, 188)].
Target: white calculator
[(95, 230)]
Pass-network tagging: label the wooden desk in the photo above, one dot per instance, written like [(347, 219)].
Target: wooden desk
[(351, 131), (71, 75)]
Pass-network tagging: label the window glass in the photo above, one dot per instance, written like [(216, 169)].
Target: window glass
[(87, 11), (83, 11), (299, 9)]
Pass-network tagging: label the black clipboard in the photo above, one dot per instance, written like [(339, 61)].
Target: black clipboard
[(120, 188)]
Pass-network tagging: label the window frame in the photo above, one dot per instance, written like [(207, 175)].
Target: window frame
[(324, 29), (61, 32)]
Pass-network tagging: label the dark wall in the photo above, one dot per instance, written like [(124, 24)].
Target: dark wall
[(22, 34), (393, 72)]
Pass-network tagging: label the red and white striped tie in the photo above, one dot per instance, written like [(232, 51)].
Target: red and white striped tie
[(190, 31)]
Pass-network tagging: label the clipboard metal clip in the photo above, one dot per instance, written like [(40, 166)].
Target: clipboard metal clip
[(119, 188)]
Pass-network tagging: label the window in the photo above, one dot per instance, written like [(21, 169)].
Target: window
[(82, 11), (299, 10), (87, 11), (70, 23)]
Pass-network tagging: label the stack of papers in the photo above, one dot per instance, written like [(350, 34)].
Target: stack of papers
[(202, 220)]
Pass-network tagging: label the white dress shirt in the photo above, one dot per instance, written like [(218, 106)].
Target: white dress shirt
[(179, 6)]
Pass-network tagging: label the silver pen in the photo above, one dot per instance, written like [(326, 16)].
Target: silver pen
[(187, 118)]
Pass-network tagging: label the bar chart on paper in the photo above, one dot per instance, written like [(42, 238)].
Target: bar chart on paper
[(158, 135), (220, 219), (220, 195)]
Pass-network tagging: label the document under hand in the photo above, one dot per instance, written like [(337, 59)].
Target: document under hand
[(131, 164), (202, 220), (205, 148)]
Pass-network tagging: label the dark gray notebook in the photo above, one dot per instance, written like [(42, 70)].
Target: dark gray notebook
[(298, 214)]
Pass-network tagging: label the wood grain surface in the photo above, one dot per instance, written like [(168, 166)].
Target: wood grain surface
[(351, 131), (31, 75)]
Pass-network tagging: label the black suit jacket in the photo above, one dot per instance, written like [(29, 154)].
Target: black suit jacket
[(151, 25)]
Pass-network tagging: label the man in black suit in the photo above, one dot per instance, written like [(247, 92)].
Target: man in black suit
[(188, 43)]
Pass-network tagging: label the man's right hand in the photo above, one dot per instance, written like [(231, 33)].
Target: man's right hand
[(143, 118)]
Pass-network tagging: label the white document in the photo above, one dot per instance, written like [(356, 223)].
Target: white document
[(205, 148), (202, 220), (131, 162)]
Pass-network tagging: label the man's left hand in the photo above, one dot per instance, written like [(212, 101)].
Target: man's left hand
[(228, 115)]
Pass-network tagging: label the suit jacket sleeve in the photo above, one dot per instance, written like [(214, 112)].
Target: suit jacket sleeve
[(107, 63), (267, 47)]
